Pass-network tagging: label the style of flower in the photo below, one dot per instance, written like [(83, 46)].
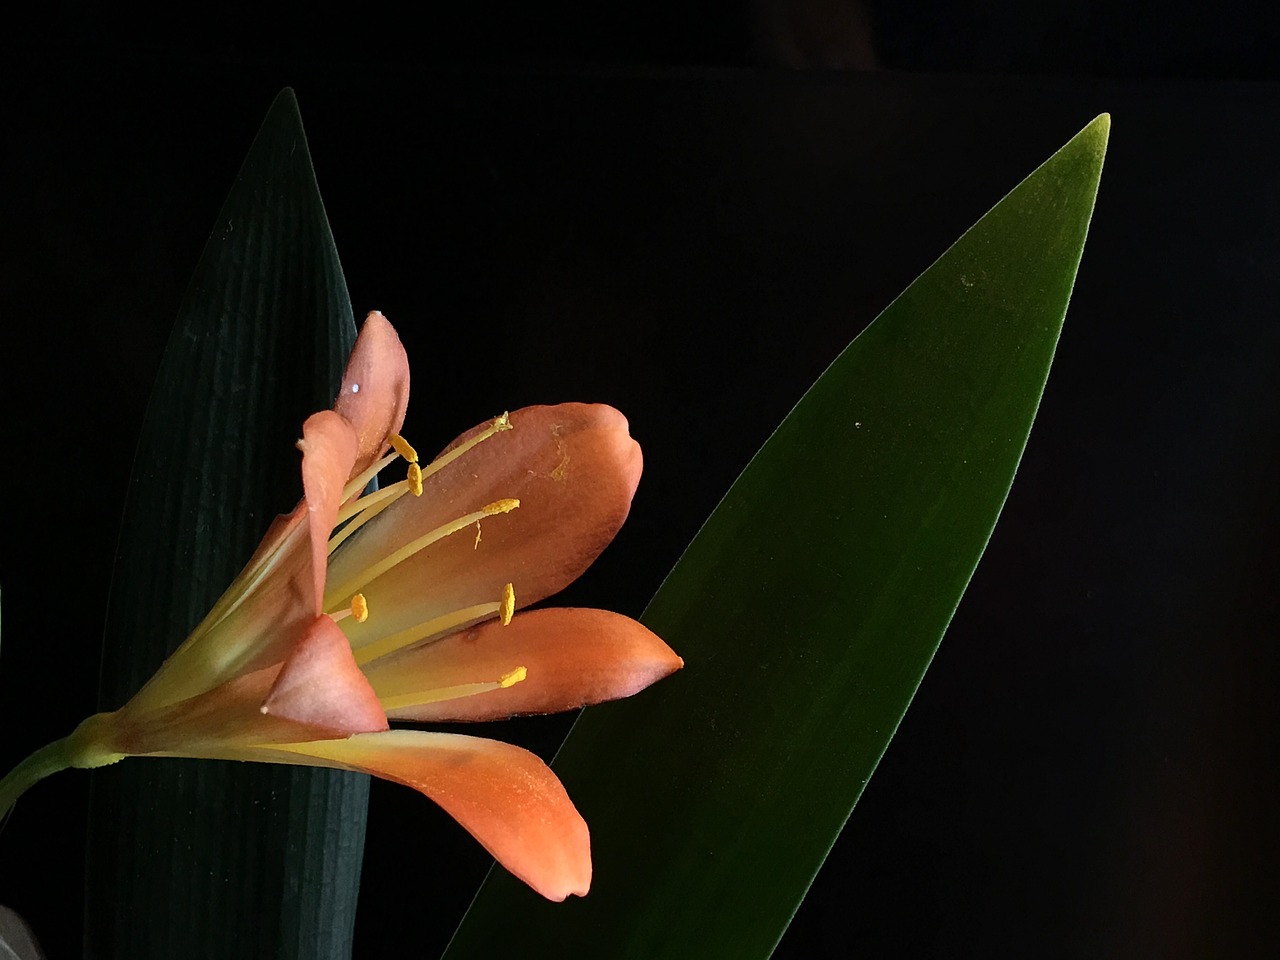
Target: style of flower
[(400, 604)]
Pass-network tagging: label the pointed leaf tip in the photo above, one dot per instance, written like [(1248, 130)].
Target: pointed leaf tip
[(260, 343), (838, 615), (1095, 136), (286, 97)]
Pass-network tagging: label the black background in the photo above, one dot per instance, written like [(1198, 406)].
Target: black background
[(652, 207)]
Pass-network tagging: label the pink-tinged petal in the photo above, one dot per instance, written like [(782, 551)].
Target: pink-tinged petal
[(504, 796), (573, 657), (226, 718), (321, 686), (375, 388), (328, 448), (573, 467)]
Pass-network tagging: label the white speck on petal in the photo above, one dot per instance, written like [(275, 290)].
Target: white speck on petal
[(355, 388)]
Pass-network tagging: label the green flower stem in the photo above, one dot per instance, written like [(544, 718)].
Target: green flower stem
[(48, 759), (81, 749)]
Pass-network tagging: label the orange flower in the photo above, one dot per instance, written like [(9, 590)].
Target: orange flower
[(401, 604)]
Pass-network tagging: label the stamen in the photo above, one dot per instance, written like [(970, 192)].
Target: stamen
[(367, 507), (428, 628), (359, 609), (499, 425), (360, 481), (371, 500), (447, 623), (476, 545), (456, 692), (402, 447), (414, 546), (508, 606), (365, 515)]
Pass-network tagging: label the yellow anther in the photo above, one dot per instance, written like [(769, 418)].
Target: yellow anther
[(500, 506), (503, 422), (360, 608), (512, 678), (507, 606), (415, 479), (402, 447)]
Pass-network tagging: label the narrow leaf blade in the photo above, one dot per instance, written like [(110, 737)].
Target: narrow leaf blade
[(810, 604), (197, 858)]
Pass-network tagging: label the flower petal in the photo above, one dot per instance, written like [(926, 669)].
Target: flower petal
[(252, 626), (504, 796), (375, 388), (574, 469), (573, 657), (328, 448), (220, 723), (321, 686)]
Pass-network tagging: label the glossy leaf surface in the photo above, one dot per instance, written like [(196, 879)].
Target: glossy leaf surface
[(810, 605)]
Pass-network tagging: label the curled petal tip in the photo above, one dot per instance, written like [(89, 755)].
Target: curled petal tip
[(375, 388), (506, 797)]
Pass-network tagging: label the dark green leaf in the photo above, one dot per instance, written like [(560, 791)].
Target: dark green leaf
[(809, 606), (197, 858)]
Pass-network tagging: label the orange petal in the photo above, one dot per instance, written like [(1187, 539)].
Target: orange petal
[(321, 686), (375, 388), (252, 626), (328, 448), (504, 796), (220, 723), (573, 657), (574, 469)]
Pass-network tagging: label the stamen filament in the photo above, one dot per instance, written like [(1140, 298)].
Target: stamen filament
[(339, 538), (455, 692), (360, 481), (428, 628), (414, 546), (499, 425), (394, 491), (366, 508)]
